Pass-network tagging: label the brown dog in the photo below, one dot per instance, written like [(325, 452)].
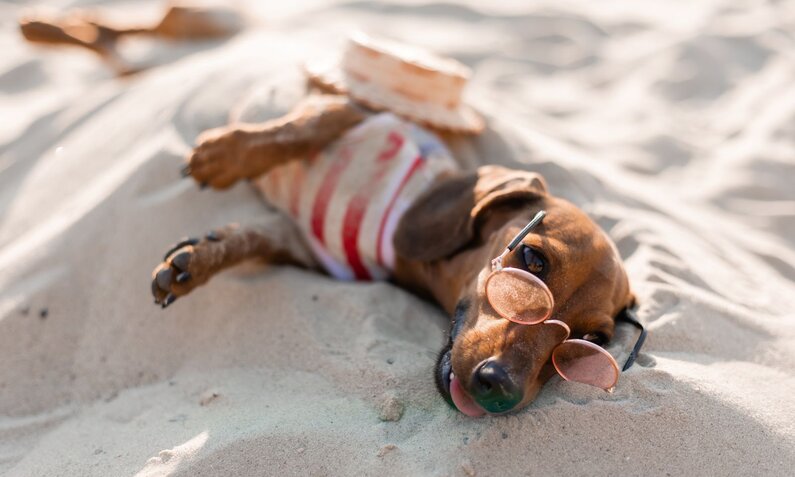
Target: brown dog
[(441, 240), (444, 244)]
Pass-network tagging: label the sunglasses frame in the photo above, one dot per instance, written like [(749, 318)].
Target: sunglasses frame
[(587, 344), (627, 315), (530, 278)]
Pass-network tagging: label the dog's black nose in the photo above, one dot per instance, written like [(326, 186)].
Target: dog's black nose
[(493, 388)]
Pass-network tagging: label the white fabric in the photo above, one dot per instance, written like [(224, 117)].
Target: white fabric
[(349, 198)]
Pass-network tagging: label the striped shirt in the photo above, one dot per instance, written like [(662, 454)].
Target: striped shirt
[(349, 198)]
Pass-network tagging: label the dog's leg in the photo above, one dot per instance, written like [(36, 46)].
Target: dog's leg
[(244, 151), (192, 262)]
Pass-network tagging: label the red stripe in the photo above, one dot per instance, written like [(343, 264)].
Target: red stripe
[(322, 199), (354, 215), (379, 245)]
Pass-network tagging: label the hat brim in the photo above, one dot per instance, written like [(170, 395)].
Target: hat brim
[(329, 75)]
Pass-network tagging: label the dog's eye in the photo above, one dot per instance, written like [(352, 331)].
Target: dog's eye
[(533, 260)]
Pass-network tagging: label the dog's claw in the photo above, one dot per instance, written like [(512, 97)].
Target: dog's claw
[(203, 185), (183, 277), (170, 298), (181, 261), (179, 245), (212, 236), (185, 170)]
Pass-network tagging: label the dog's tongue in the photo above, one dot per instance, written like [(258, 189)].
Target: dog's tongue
[(462, 401)]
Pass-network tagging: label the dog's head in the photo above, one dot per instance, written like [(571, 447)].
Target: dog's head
[(456, 228)]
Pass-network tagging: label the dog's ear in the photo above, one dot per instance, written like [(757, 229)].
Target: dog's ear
[(444, 219)]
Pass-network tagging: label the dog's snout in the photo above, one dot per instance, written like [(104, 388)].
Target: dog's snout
[(493, 387), (492, 378)]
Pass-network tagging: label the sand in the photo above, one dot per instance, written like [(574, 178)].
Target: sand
[(671, 123)]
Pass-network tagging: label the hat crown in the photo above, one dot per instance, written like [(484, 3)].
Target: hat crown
[(408, 81), (411, 72)]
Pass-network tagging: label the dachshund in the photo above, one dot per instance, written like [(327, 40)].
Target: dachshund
[(443, 245)]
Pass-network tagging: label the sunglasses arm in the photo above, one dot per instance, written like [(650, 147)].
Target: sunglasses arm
[(496, 263), (629, 317)]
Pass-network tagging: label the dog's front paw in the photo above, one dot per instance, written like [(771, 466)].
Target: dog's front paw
[(188, 264), (217, 160)]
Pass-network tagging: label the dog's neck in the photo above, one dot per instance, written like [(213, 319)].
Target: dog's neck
[(447, 279), (442, 280)]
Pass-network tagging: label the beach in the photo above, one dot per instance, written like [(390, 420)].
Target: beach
[(671, 123)]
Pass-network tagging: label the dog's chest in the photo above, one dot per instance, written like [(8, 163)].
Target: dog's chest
[(349, 198)]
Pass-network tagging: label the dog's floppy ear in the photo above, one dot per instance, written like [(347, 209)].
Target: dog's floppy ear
[(444, 218)]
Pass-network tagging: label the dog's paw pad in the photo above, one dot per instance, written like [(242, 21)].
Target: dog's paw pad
[(190, 263), (174, 276)]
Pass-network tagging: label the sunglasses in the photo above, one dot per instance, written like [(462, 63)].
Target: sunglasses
[(521, 297)]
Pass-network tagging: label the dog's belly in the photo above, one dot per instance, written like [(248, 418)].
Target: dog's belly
[(349, 198)]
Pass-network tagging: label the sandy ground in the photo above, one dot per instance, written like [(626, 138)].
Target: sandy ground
[(671, 122)]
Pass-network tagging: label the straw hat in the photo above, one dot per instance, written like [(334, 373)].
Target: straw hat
[(408, 81)]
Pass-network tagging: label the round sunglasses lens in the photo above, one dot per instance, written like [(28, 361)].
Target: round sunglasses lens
[(584, 362), (519, 296)]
